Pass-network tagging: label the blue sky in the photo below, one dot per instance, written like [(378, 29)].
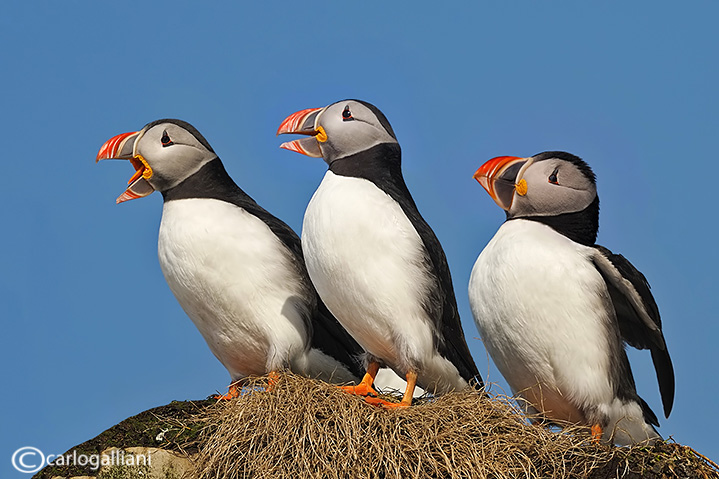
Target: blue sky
[(91, 333)]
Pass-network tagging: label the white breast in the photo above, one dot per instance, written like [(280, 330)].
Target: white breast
[(367, 262), (538, 303), (236, 281)]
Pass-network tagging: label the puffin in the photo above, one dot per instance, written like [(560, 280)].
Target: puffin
[(374, 260), (555, 310), (236, 270)]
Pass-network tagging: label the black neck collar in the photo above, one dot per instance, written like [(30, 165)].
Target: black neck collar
[(210, 181), (580, 227), (383, 161)]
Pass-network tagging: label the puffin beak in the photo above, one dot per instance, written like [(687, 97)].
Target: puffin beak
[(499, 177), (303, 123), (121, 147)]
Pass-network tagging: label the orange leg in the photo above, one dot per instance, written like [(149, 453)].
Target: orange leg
[(408, 393), (232, 393), (272, 378), (365, 386), (597, 432)]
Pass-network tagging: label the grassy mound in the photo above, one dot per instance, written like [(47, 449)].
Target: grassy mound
[(308, 429)]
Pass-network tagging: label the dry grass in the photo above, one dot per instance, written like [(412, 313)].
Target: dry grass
[(308, 429)]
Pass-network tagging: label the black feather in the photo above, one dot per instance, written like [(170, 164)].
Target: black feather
[(631, 326), (580, 227), (331, 338)]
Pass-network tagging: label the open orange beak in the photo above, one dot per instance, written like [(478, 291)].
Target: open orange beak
[(121, 147), (499, 177), (303, 123)]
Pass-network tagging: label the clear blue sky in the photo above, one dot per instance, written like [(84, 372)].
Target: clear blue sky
[(91, 333)]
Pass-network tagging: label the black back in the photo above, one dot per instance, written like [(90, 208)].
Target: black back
[(381, 165), (326, 334)]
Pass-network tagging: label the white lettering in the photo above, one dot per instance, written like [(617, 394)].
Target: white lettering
[(30, 459)]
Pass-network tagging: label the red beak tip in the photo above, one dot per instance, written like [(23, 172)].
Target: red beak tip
[(292, 146), (112, 146), (292, 123)]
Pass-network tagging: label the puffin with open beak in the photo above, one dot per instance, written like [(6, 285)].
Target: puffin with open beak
[(236, 270), (374, 260), (555, 309)]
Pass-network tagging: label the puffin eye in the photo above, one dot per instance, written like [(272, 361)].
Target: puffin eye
[(347, 114), (166, 141), (553, 177)]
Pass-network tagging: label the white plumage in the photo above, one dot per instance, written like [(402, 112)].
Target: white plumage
[(233, 277), (367, 262), (540, 306)]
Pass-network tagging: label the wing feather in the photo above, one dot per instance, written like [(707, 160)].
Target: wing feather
[(637, 315)]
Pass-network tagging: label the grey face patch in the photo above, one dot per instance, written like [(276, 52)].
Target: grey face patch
[(345, 138), (173, 151), (554, 186), (380, 116), (185, 126)]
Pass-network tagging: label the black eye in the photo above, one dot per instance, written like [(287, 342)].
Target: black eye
[(553, 177), (166, 141), (347, 114)]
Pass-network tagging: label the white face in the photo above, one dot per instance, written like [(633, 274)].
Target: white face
[(172, 152), (351, 127), (553, 187)]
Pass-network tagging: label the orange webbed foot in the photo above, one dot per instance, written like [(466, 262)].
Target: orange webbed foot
[(232, 393), (395, 405), (364, 388), (375, 401), (597, 432), (272, 378), (406, 399)]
